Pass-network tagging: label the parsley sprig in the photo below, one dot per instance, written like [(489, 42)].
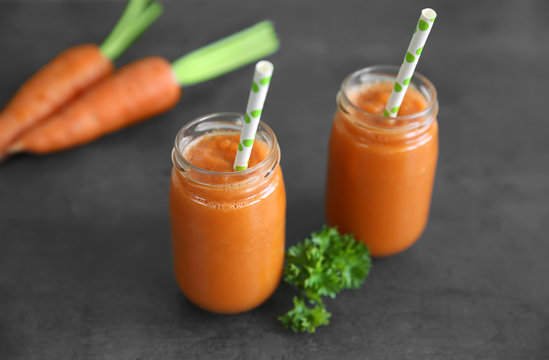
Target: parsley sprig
[(322, 265)]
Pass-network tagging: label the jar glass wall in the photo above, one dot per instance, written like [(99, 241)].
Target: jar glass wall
[(227, 227), (381, 170)]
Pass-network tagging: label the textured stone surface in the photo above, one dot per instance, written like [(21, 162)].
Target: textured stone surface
[(85, 262)]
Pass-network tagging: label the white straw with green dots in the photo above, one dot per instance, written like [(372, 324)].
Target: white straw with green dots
[(258, 93), (407, 68)]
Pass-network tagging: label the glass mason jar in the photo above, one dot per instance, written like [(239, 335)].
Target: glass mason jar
[(227, 227), (381, 170)]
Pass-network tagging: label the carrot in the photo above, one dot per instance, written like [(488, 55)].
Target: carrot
[(62, 79), (142, 89), (70, 73)]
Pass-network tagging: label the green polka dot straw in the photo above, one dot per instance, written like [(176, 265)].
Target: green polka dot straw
[(423, 28), (258, 93)]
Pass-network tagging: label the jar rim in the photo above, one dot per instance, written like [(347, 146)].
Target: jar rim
[(391, 71), (179, 159)]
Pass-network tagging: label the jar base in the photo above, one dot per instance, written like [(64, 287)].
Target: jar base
[(227, 309)]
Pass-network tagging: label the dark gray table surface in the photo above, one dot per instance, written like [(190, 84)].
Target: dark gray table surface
[(85, 252)]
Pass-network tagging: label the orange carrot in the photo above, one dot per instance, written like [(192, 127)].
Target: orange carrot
[(71, 72), (142, 89), (139, 90)]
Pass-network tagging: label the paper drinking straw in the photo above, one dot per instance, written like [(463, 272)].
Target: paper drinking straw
[(258, 93), (407, 68)]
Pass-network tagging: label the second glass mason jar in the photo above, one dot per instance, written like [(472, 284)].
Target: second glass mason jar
[(227, 227), (381, 170)]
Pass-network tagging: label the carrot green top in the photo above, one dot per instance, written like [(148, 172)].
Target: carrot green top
[(136, 18), (227, 54), (206, 63)]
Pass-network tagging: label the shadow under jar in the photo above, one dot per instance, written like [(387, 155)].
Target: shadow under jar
[(381, 170), (227, 227)]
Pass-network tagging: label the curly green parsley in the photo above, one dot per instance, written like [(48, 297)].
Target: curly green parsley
[(320, 266)]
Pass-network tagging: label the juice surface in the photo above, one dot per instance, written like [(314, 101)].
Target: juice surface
[(216, 152), (372, 98), (228, 240), (380, 180)]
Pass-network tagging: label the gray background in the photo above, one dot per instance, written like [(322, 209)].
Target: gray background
[(85, 253)]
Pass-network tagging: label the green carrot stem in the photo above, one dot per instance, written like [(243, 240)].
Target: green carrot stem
[(226, 54), (133, 8), (137, 17)]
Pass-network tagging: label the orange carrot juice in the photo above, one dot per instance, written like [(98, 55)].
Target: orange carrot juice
[(227, 227), (381, 170)]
